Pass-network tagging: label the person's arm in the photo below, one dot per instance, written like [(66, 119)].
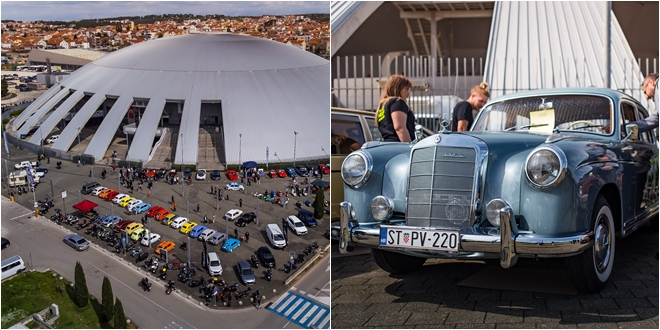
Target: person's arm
[(647, 124), (399, 122), (462, 125)]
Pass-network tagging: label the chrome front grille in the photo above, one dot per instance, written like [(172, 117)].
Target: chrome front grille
[(440, 187)]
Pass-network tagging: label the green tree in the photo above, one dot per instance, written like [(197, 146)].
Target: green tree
[(120, 318), (82, 293), (107, 299), (319, 203), (5, 89)]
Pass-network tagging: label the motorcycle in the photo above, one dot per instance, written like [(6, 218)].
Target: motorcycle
[(269, 274), (136, 253), (308, 203), (57, 214), (154, 266), (244, 293), (286, 269), (176, 266), (277, 201), (184, 246), (83, 225), (298, 204), (119, 247), (144, 283), (195, 283), (255, 296), (300, 259), (212, 292), (144, 256), (20, 191), (255, 262), (326, 234), (163, 273), (170, 287)]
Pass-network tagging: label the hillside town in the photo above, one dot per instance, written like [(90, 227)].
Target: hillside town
[(296, 30)]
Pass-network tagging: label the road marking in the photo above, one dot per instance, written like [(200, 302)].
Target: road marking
[(301, 310), (22, 216), (302, 292)]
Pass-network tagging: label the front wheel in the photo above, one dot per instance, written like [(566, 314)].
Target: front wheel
[(396, 263), (590, 271)]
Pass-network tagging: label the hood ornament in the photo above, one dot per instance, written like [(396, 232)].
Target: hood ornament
[(445, 126)]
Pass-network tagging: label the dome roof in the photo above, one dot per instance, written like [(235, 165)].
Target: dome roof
[(210, 53), (264, 87)]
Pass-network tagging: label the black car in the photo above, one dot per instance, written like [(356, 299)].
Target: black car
[(41, 169), (161, 173), (266, 257), (302, 170), (215, 175), (245, 219), (5, 243), (187, 173)]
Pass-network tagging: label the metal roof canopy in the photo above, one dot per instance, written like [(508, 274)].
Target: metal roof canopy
[(558, 44), (68, 135), (57, 115), (101, 140), (144, 136), (43, 110), (45, 97)]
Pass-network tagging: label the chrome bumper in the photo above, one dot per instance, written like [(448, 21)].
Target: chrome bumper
[(509, 244)]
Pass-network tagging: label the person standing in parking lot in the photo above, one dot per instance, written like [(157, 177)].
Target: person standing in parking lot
[(240, 202), (395, 120), (462, 117), (650, 88)]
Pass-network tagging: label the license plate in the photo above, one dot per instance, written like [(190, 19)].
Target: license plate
[(426, 239)]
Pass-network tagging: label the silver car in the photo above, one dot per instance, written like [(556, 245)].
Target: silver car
[(77, 242), (245, 273)]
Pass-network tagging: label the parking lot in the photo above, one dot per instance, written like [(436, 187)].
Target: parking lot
[(71, 178)]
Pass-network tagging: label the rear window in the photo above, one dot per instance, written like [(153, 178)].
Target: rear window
[(81, 241)]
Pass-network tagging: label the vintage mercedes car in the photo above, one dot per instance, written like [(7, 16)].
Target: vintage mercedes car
[(543, 173)]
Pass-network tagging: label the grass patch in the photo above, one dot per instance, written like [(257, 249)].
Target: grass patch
[(32, 292)]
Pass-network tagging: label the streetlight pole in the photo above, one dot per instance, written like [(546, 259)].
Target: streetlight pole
[(295, 138), (79, 138), (240, 140), (326, 154), (182, 146)]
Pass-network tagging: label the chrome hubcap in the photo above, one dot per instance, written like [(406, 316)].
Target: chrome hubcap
[(602, 245)]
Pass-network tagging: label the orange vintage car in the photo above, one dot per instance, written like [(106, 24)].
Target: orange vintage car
[(165, 245), (160, 215), (103, 194)]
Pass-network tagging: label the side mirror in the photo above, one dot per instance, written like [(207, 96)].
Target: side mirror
[(418, 133), (632, 131)]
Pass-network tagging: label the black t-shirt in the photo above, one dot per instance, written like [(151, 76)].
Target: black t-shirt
[(462, 110), (385, 124)]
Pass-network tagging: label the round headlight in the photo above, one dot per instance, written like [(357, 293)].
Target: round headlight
[(356, 169), (545, 167), (382, 208)]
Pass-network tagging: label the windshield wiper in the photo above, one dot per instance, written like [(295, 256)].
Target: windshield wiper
[(525, 126), (588, 126)]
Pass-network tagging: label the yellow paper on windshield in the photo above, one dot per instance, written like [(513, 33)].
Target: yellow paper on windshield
[(542, 121)]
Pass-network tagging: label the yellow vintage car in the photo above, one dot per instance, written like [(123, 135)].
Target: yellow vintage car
[(124, 201), (168, 219), (187, 227), (133, 227)]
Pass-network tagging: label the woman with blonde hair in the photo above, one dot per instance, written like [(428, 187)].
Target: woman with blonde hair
[(395, 120), (462, 117)]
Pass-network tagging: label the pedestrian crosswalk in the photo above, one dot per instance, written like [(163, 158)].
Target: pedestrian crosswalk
[(301, 310)]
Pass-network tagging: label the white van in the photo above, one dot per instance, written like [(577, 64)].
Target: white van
[(213, 263), (275, 236), (12, 266)]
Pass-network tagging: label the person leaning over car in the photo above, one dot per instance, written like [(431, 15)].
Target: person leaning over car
[(395, 120), (650, 88), (462, 117)]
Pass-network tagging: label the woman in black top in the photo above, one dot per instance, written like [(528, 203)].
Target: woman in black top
[(395, 120), (462, 118)]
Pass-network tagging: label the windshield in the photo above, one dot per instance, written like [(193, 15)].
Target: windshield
[(215, 263), (299, 224), (247, 271), (545, 114), (278, 237)]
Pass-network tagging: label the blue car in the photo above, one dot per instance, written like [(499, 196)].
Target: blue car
[(142, 207), (101, 218), (290, 171), (307, 218), (230, 245), (109, 221), (196, 231)]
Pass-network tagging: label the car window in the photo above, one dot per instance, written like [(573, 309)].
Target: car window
[(278, 237), (299, 224), (347, 134), (215, 263), (580, 113)]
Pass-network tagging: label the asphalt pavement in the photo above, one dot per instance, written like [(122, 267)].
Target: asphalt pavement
[(70, 178), (364, 296)]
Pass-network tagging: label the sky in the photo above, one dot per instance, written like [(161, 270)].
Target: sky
[(77, 10)]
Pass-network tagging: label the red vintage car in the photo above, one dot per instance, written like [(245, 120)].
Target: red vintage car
[(121, 225), (272, 173), (111, 195), (325, 169), (153, 210), (281, 173), (232, 175), (151, 172)]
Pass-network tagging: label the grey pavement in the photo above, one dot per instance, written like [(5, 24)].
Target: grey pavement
[(364, 296)]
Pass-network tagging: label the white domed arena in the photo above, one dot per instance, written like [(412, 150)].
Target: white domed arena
[(208, 100)]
